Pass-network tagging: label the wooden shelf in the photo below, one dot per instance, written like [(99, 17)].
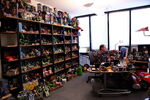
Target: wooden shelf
[(29, 45), (35, 68), (58, 62), (9, 46), (6, 97), (59, 53), (8, 32), (59, 44), (75, 35), (46, 34), (11, 17), (67, 35), (21, 19), (57, 34), (75, 50), (46, 44), (14, 88), (67, 43), (12, 60), (47, 65), (30, 58), (59, 70), (27, 20), (68, 59), (75, 57), (30, 33), (74, 43)]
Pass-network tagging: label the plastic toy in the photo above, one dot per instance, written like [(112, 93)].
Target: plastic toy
[(10, 58)]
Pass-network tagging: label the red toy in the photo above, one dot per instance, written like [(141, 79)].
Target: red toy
[(145, 76), (10, 58)]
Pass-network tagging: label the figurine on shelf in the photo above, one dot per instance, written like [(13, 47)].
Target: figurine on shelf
[(22, 55), (50, 70), (37, 52), (2, 7), (75, 24), (55, 16), (51, 16), (59, 17), (21, 9), (32, 53), (14, 8), (39, 7), (7, 10), (46, 91)]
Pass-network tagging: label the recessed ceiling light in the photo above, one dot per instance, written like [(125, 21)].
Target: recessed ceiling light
[(88, 4)]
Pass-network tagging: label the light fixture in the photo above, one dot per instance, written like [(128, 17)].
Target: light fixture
[(88, 4)]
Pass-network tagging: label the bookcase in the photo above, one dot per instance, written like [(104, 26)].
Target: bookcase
[(33, 51)]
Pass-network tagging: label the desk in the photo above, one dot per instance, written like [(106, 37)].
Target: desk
[(105, 90)]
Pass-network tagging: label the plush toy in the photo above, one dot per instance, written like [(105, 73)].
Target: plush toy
[(79, 71), (46, 91), (75, 24)]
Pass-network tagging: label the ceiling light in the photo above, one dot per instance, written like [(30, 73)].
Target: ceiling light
[(88, 4)]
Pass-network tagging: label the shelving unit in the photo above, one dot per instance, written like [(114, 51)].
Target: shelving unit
[(35, 51)]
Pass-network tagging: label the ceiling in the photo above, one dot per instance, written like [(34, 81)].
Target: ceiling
[(75, 7)]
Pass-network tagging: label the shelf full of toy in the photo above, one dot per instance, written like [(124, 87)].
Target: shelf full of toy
[(19, 9)]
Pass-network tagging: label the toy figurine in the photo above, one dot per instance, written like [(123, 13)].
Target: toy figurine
[(1, 7), (50, 71), (51, 16), (37, 52), (55, 16), (46, 91), (22, 55), (14, 7), (21, 9), (7, 10), (39, 7)]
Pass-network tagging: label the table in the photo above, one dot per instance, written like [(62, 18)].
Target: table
[(106, 90)]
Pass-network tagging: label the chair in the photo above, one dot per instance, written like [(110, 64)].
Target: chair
[(92, 61)]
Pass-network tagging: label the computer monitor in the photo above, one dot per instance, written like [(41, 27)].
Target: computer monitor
[(124, 52)]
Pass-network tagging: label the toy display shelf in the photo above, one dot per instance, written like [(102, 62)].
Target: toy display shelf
[(27, 20), (29, 45), (8, 32), (39, 45)]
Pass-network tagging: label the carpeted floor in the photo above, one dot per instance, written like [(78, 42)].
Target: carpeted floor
[(78, 89)]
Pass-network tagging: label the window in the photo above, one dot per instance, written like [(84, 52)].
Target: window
[(84, 42), (99, 30), (119, 29), (139, 19)]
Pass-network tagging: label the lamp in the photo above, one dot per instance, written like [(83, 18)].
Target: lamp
[(143, 29)]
